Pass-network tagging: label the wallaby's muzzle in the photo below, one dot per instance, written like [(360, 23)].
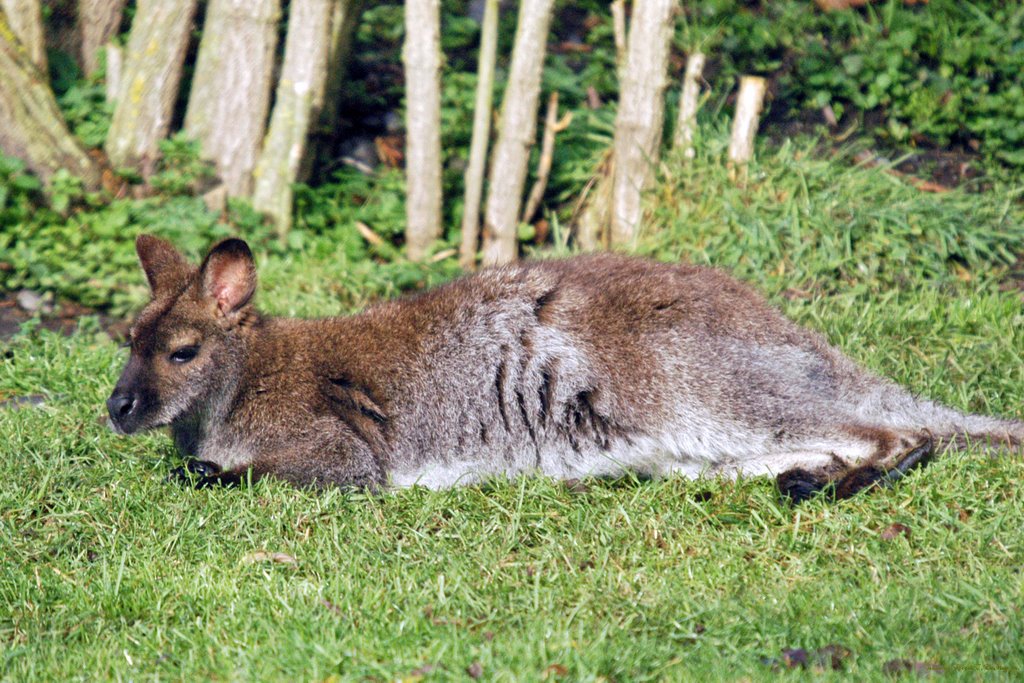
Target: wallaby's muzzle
[(130, 399), (121, 407)]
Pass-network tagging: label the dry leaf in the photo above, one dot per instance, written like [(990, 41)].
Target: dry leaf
[(898, 667), (824, 658), (831, 656), (421, 671), (555, 670), (576, 486), (331, 606), (894, 531), (794, 658), (264, 556)]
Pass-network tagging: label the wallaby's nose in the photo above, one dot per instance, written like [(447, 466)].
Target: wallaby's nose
[(120, 406)]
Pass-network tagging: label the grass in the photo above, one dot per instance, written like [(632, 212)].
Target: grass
[(106, 571)]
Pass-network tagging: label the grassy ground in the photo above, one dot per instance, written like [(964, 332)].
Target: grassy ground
[(108, 571)]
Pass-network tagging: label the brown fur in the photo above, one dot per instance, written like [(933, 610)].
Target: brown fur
[(585, 366)]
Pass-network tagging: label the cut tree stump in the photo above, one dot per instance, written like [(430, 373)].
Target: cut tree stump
[(744, 125)]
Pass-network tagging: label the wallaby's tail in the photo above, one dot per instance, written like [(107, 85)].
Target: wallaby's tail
[(953, 429), (896, 407)]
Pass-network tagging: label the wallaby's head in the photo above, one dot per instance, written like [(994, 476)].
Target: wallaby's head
[(186, 343)]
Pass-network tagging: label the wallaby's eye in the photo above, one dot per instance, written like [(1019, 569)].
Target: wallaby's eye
[(184, 354)]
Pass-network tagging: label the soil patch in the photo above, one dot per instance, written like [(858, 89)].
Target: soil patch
[(62, 317)]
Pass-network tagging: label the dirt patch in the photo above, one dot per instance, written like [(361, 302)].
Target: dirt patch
[(949, 167), (62, 317), (1014, 280)]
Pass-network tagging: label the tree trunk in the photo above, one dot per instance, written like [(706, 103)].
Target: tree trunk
[(517, 133), (149, 82), (686, 124), (25, 19), (422, 57), (115, 68), (344, 19), (227, 108), (31, 125), (482, 111), (638, 125), (98, 22), (327, 98), (594, 213), (744, 125), (302, 75), (618, 9)]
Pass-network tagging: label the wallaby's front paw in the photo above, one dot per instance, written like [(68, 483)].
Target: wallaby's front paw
[(197, 474)]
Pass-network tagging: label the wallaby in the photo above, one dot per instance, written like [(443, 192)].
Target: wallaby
[(593, 365)]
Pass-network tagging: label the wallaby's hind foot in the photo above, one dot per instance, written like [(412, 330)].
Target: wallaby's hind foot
[(798, 484), (917, 456)]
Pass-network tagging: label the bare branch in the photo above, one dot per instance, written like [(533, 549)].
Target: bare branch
[(552, 126), (369, 235)]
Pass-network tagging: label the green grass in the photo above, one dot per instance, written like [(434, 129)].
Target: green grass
[(106, 571)]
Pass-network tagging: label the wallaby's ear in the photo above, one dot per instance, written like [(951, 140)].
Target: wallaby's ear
[(163, 264), (229, 275)]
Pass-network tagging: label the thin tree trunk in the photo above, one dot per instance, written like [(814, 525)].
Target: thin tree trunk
[(638, 125), (517, 133), (591, 227), (744, 124), (149, 82), (327, 98), (594, 214), (115, 67), (25, 18), (98, 22), (422, 57), (686, 124), (31, 125), (618, 9), (344, 19), (227, 107), (302, 74), (482, 111)]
